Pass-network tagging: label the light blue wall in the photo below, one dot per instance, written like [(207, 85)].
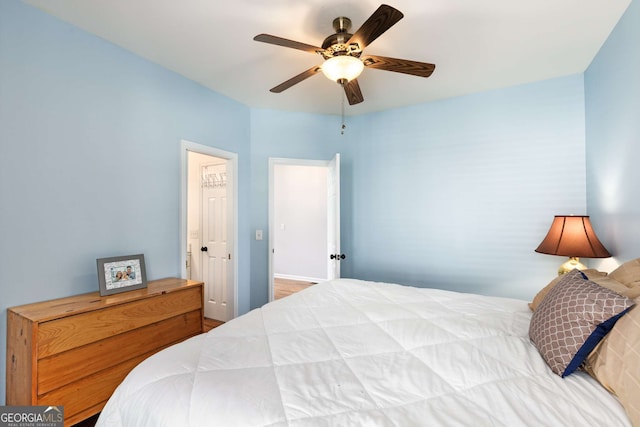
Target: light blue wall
[(454, 194), (458, 193), (612, 92), (288, 135), (89, 159)]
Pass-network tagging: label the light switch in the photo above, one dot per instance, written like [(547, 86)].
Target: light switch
[(282, 227), (258, 234)]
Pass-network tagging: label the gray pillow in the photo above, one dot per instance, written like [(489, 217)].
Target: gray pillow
[(572, 319)]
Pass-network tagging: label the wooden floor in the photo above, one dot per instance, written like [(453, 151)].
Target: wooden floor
[(285, 287), (89, 422), (209, 324)]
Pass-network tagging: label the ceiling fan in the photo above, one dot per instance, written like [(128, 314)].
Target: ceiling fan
[(342, 52)]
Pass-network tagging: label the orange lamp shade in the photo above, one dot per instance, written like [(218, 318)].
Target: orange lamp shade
[(572, 236)]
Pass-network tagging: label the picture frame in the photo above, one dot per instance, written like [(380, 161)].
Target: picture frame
[(121, 274)]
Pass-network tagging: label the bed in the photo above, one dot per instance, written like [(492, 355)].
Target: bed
[(357, 353)]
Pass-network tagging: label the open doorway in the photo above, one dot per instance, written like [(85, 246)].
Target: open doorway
[(304, 223), (208, 226)]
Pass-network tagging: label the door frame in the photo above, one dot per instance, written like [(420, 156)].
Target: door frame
[(185, 147), (273, 162)]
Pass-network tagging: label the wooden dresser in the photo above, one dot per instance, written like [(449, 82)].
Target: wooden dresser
[(74, 351)]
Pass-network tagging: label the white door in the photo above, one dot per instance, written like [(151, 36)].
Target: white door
[(333, 218), (333, 213), (216, 253), (193, 157)]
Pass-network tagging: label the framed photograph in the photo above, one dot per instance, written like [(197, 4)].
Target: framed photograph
[(121, 274)]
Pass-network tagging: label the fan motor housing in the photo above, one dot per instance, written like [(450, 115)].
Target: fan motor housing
[(336, 44)]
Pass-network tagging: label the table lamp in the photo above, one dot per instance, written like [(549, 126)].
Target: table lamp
[(572, 236)]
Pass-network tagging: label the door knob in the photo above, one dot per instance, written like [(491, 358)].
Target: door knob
[(204, 249)]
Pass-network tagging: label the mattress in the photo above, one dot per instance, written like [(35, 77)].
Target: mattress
[(356, 353)]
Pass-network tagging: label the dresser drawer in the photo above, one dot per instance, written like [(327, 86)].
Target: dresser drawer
[(70, 366), (70, 332), (89, 392)]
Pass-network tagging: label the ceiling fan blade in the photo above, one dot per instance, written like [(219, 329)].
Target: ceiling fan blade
[(415, 68), (353, 92), (381, 20), (297, 79), (266, 38)]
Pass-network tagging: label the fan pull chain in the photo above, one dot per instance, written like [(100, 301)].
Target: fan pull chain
[(344, 95)]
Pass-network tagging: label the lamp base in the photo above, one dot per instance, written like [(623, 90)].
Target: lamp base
[(572, 264)]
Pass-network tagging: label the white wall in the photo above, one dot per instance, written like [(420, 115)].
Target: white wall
[(300, 213)]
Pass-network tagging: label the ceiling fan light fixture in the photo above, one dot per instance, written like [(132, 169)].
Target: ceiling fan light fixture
[(342, 67)]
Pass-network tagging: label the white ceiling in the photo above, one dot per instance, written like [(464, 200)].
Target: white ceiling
[(476, 45)]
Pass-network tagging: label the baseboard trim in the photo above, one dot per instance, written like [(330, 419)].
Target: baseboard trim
[(299, 278)]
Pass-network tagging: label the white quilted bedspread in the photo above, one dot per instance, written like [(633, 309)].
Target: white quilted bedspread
[(355, 353)]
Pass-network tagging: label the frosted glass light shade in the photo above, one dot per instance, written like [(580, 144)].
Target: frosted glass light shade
[(342, 67)]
